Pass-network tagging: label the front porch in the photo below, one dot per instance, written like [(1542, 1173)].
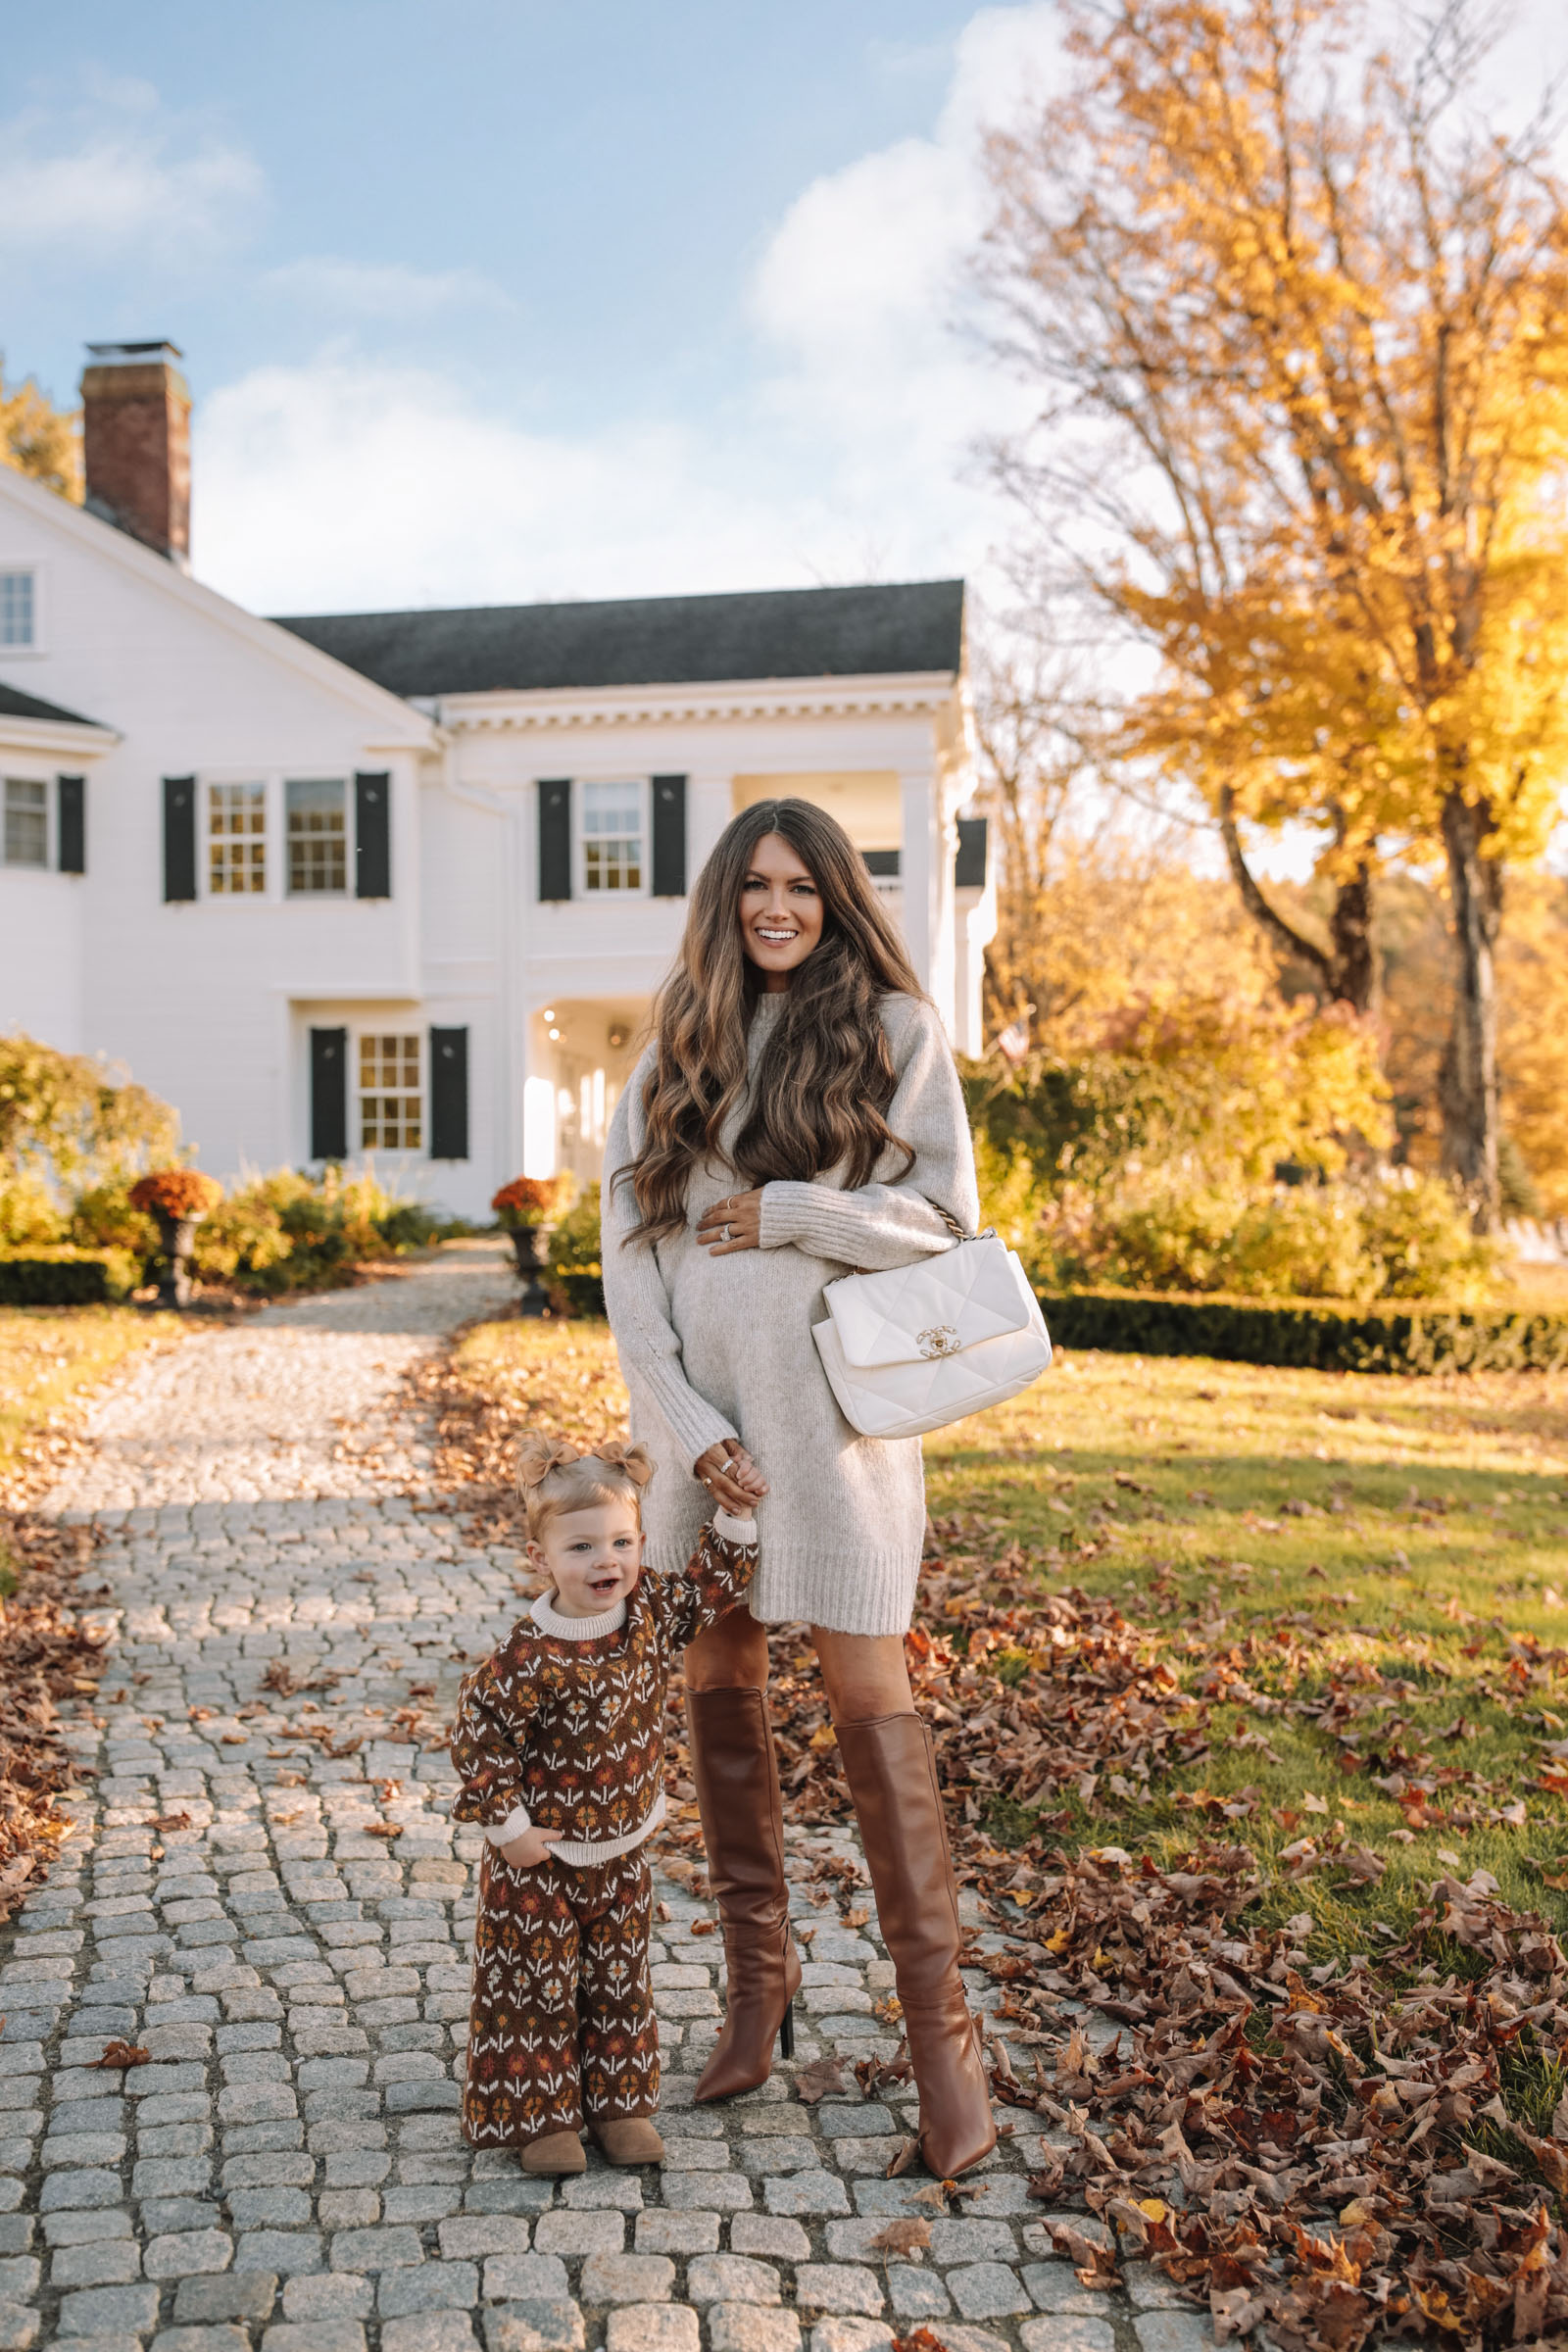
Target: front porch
[(581, 1050)]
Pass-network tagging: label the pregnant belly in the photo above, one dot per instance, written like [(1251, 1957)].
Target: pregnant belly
[(745, 1322)]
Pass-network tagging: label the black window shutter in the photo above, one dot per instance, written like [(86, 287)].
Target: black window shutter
[(669, 837), (449, 1093), (373, 837), (554, 839), (329, 1093), (179, 837), (71, 829)]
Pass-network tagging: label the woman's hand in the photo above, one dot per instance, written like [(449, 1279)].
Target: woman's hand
[(527, 1851), (733, 1223), (731, 1477)]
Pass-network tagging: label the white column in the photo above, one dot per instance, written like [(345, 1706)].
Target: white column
[(709, 806), (917, 876)]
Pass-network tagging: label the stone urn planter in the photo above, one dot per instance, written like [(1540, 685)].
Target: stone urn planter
[(528, 1207), (177, 1238), (530, 1246), (176, 1199)]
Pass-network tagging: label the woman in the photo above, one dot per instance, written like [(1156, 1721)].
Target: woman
[(798, 1114)]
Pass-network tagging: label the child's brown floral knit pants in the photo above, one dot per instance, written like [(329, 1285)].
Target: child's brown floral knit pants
[(563, 2019)]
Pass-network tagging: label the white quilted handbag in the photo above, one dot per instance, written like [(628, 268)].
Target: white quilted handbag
[(918, 1346)]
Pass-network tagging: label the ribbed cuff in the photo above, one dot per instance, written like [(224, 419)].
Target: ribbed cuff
[(502, 1832), (817, 1217), (733, 1530)]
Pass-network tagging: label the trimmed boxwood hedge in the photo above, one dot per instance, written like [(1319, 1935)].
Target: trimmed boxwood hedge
[(1324, 1335), (65, 1277)]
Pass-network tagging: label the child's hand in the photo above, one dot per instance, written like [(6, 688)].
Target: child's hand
[(527, 1851), (731, 1477)]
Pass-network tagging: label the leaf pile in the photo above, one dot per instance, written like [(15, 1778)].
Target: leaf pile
[(46, 1661), (476, 1433), (1331, 2154), (1029, 1697)]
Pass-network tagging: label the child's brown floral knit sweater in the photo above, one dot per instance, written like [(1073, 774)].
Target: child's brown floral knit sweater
[(562, 1729)]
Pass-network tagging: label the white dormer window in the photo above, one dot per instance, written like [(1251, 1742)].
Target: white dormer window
[(613, 834), (19, 609)]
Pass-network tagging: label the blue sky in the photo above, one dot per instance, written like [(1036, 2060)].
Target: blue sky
[(509, 300), (505, 300)]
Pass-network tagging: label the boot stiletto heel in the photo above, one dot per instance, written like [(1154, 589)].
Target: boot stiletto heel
[(786, 2033)]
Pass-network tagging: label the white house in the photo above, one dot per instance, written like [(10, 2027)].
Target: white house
[(402, 885)]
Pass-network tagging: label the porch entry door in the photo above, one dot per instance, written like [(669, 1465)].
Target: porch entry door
[(582, 1117)]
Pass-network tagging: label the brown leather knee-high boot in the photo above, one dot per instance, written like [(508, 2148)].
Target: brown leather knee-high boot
[(892, 1772), (736, 1776)]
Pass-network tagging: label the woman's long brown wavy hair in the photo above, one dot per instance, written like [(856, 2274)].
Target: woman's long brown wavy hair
[(825, 1077)]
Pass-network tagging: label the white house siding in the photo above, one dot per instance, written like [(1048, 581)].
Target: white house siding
[(597, 962), (211, 1003), (200, 1002), (42, 959)]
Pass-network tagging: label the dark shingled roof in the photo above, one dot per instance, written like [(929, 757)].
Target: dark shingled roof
[(13, 703), (651, 641)]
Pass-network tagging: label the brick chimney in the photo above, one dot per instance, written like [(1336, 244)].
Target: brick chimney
[(135, 408)]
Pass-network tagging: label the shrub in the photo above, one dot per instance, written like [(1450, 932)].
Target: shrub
[(65, 1277), (1312, 1333), (576, 1281), (101, 1217), (291, 1232), (68, 1119), (410, 1225), (27, 1212)]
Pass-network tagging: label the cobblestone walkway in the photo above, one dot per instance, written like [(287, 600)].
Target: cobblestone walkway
[(266, 1894)]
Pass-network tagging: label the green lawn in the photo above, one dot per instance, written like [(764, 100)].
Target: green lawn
[(1360, 1584)]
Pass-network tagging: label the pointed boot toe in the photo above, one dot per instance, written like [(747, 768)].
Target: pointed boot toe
[(962, 2129)]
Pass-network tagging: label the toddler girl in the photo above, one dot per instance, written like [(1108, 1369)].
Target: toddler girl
[(559, 1742)]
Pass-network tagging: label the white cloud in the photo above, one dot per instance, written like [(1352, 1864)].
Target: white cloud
[(344, 482), (382, 290), (144, 185)]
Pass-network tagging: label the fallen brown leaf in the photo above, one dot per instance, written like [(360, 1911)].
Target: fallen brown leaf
[(820, 2077), (900, 2237), (119, 2054)]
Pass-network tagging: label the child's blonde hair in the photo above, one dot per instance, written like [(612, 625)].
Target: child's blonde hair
[(553, 1478)]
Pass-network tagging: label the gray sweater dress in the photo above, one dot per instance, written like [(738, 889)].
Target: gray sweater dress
[(716, 1347)]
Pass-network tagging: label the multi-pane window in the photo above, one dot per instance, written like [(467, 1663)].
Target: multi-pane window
[(390, 1102), (18, 608), (236, 839), (612, 837), (317, 835), (26, 822)]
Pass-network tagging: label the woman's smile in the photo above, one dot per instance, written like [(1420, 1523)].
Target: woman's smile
[(781, 910)]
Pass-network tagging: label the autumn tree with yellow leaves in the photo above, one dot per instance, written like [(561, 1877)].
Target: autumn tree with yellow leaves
[(1299, 321), (39, 439)]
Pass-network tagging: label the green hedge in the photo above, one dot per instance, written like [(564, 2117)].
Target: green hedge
[(1323, 1334), (65, 1277)]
